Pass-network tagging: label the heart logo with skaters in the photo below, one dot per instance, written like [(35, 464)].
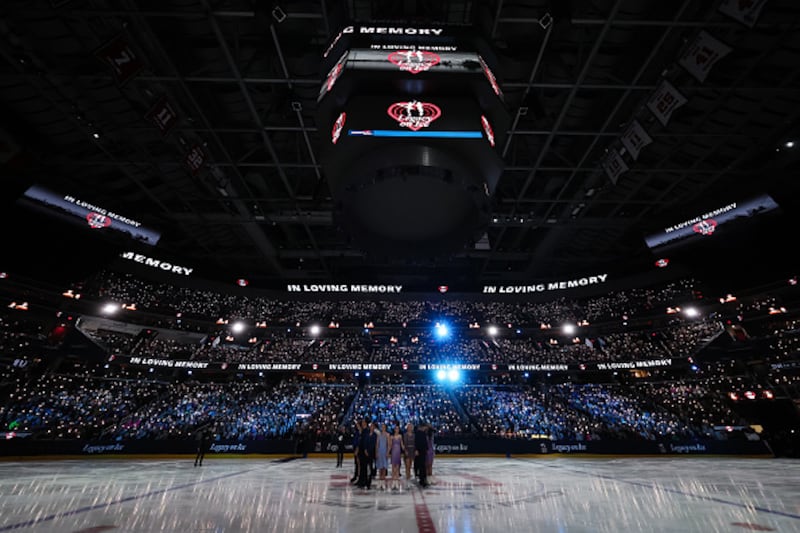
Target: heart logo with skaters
[(414, 61), (414, 115)]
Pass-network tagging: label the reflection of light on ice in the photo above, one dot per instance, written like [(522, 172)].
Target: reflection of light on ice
[(471, 494)]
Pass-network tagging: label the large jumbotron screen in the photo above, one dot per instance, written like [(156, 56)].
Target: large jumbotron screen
[(415, 116)]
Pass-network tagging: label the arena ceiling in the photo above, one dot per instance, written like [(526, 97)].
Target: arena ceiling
[(232, 86)]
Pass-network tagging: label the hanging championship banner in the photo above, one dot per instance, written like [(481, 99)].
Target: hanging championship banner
[(664, 101), (163, 115), (701, 56), (746, 12), (195, 159), (614, 166), (635, 138), (119, 55)]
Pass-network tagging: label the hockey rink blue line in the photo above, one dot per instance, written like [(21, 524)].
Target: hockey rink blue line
[(79, 510), (683, 493)]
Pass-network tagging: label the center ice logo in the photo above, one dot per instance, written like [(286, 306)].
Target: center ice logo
[(414, 115)]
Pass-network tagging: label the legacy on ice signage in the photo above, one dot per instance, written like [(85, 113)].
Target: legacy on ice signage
[(545, 287)]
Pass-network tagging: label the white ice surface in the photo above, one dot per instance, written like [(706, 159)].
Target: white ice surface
[(559, 495)]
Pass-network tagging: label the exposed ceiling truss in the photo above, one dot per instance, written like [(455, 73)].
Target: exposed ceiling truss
[(242, 78)]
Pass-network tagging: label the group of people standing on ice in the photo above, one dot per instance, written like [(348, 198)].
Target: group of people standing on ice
[(380, 455)]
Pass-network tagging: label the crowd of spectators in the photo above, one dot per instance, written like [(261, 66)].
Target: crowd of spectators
[(72, 406), (784, 341), (526, 412), (238, 411), (75, 406), (126, 406), (21, 336), (401, 403), (681, 339), (174, 301), (624, 414), (701, 404)]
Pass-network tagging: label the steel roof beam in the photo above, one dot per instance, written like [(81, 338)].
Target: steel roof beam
[(252, 108), (566, 106), (549, 240)]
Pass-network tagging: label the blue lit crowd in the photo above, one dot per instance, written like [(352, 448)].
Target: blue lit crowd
[(42, 396)]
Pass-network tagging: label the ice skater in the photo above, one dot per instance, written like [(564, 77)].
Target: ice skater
[(382, 450), (408, 451), (396, 455)]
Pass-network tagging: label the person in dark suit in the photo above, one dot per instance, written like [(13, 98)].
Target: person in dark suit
[(421, 453), (356, 441), (373, 447), (339, 441), (365, 456), (203, 437)]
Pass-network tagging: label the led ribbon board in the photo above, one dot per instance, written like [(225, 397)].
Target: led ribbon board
[(81, 212), (711, 223)]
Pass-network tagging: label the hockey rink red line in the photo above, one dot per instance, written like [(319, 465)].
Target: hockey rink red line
[(480, 480), (422, 514)]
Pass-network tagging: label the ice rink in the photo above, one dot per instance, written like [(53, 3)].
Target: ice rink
[(548, 494)]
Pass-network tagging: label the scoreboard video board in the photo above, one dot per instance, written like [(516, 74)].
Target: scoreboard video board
[(415, 119)]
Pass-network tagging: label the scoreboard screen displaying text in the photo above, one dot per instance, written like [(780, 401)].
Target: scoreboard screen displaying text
[(415, 117), (82, 213), (717, 223)]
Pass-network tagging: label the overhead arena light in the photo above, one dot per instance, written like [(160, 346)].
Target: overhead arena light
[(442, 330), (451, 375), (691, 312)]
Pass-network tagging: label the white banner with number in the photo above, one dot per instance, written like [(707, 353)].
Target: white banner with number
[(664, 101), (701, 56), (635, 138), (614, 166)]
